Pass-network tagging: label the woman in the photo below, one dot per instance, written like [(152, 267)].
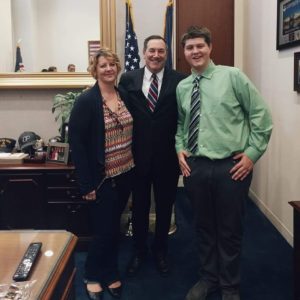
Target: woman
[(100, 136)]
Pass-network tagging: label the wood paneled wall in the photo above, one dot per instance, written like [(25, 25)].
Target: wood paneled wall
[(218, 16)]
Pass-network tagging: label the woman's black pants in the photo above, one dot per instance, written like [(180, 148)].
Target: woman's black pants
[(105, 213)]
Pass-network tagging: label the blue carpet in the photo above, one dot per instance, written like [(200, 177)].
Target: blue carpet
[(266, 262)]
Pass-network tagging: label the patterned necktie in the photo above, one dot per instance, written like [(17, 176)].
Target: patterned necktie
[(194, 117), (153, 92)]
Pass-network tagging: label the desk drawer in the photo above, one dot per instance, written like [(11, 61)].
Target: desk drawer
[(72, 217), (61, 179), (65, 194)]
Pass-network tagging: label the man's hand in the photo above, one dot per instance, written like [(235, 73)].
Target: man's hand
[(241, 169), (184, 167), (90, 196)]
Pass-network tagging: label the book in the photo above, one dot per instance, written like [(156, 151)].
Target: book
[(12, 158)]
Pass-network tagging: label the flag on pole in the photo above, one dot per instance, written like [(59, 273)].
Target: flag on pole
[(132, 58), (168, 32), (19, 62)]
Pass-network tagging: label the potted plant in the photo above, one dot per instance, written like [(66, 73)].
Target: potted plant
[(62, 106)]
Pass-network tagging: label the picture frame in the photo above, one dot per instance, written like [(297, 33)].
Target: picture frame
[(58, 153), (288, 24), (297, 72)]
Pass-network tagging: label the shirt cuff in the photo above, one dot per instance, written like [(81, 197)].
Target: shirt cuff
[(253, 154), (179, 148)]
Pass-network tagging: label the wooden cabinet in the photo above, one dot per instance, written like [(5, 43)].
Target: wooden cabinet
[(42, 196), (65, 203), (21, 205)]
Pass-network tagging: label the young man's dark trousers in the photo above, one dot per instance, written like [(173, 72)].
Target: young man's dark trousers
[(219, 208)]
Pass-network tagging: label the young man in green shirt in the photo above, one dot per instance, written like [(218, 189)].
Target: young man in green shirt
[(223, 128)]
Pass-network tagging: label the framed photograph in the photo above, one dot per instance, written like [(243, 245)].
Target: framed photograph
[(297, 72), (58, 153), (288, 23)]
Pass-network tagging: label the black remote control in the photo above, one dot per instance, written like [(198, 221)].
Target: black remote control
[(27, 262)]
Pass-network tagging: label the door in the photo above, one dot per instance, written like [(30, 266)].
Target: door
[(216, 15)]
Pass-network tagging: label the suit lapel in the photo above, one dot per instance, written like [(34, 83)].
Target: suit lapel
[(138, 84)]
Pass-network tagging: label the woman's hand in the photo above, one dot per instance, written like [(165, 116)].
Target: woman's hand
[(90, 196), (184, 167), (241, 169)]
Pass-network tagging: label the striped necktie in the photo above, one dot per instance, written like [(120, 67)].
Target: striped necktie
[(153, 92), (194, 117)]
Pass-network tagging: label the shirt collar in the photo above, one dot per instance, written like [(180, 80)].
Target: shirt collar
[(207, 72), (148, 74)]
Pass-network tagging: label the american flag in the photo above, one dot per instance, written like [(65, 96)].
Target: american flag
[(94, 47), (19, 67), (132, 58), (168, 32)]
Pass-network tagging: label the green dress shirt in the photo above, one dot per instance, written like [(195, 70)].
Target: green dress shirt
[(234, 118)]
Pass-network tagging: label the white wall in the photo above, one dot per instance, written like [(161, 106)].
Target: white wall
[(25, 32), (6, 39), (27, 111), (277, 176), (53, 32)]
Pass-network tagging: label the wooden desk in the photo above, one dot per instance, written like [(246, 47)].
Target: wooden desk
[(296, 206), (54, 270), (46, 197)]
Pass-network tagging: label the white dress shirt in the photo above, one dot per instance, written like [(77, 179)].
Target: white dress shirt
[(147, 81)]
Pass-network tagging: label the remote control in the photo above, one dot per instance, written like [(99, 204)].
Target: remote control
[(27, 262)]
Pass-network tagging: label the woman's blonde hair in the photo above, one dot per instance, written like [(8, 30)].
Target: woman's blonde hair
[(107, 53)]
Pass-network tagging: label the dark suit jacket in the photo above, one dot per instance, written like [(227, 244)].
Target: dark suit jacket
[(86, 138), (153, 133)]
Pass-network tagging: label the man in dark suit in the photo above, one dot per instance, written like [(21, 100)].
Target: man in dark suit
[(155, 120)]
